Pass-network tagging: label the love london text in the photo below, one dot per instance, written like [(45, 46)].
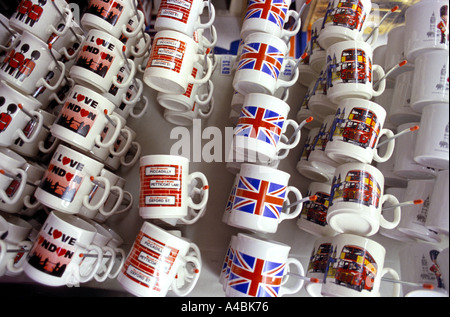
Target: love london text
[(236, 306)]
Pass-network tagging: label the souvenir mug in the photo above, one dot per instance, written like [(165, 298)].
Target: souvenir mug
[(318, 102), (15, 238), (317, 55), (154, 260), (437, 218), (430, 80), (164, 181), (56, 254), (27, 63), (227, 261), (186, 118), (172, 58), (356, 130), (262, 122), (263, 264), (350, 72), (432, 141), (260, 64), (41, 18), (13, 178), (258, 201), (344, 22), (184, 16), (111, 16), (68, 181), (318, 264), (99, 61), (68, 44), (356, 267), (84, 116), (270, 17), (426, 28), (356, 199), (19, 117)]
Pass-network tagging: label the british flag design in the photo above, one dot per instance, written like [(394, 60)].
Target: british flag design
[(259, 197), (271, 10), (255, 277), (261, 124), (261, 57)]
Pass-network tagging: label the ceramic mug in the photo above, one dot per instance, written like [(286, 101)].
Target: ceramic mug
[(356, 199), (438, 217), (154, 260), (13, 177)]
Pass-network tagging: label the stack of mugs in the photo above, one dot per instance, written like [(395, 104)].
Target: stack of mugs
[(260, 190), (85, 80), (338, 154), (180, 66), (162, 260)]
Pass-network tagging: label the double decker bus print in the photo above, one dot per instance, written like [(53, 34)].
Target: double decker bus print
[(361, 128), (316, 211), (350, 14), (356, 268), (355, 66), (319, 260), (360, 186)]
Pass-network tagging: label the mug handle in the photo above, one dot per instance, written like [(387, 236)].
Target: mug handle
[(377, 69), (106, 269), (113, 210), (390, 147), (397, 212), (27, 202), (36, 129), (374, 38), (293, 80), (213, 43), (197, 215), (67, 22), (96, 266), (2, 250), (140, 19), (130, 203), (107, 190), (18, 267), (123, 256), (126, 83), (283, 145), (206, 101), (45, 150), (298, 208), (285, 290), (205, 189), (212, 14), (145, 49), (66, 54), (196, 260), (207, 114), (143, 110), (43, 82), (289, 33), (138, 95), (23, 181), (127, 145), (396, 276), (136, 156), (207, 76), (115, 135), (54, 96)]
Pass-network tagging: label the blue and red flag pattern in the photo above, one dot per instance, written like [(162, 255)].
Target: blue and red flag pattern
[(271, 10), (261, 57)]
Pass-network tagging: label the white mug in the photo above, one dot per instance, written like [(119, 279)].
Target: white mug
[(425, 28), (346, 21), (318, 265), (437, 218), (350, 72), (262, 60), (356, 199), (258, 201), (154, 260), (169, 68), (432, 142), (83, 117), (430, 80), (356, 131), (227, 262), (270, 17), (164, 181), (56, 254), (99, 61), (69, 179), (12, 165), (183, 16), (263, 264), (356, 267)]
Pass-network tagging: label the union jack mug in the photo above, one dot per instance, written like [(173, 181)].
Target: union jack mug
[(356, 131), (259, 269), (262, 60), (261, 126), (356, 200), (346, 20), (259, 196), (355, 268), (269, 16), (183, 16)]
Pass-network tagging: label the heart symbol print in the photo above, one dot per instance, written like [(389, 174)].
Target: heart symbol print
[(69, 176), (65, 160), (50, 167), (84, 112), (80, 97), (61, 251), (99, 41), (104, 55), (57, 234)]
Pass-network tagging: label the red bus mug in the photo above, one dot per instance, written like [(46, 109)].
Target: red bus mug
[(356, 199)]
